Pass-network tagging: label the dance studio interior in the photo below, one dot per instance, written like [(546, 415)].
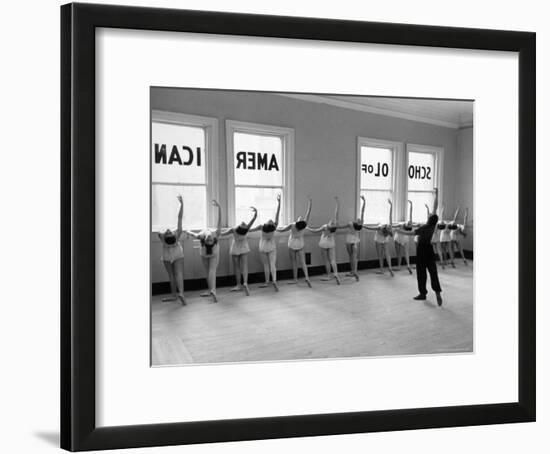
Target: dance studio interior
[(244, 149)]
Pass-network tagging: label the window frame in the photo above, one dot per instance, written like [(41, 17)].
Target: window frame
[(288, 135), (397, 172), (211, 140), (439, 153)]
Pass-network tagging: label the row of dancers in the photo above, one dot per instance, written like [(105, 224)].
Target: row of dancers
[(401, 233)]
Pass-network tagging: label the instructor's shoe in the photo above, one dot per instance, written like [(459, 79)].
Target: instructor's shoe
[(439, 299), (420, 298)]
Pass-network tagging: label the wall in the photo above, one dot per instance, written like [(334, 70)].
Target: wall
[(325, 161)]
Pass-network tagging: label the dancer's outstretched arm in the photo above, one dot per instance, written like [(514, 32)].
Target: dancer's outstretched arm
[(391, 209), (410, 211), (315, 229), (363, 205)]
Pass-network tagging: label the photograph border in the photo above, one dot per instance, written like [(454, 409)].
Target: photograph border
[(78, 217)]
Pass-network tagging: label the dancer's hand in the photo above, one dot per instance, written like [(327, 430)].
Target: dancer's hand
[(254, 209), (278, 197), (363, 198), (180, 199), (436, 190), (215, 203), (410, 202), (389, 201)]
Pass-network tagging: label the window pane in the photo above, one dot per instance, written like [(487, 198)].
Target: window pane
[(178, 153), (377, 206), (264, 199), (376, 168), (165, 206), (258, 159), (421, 171), (418, 200)]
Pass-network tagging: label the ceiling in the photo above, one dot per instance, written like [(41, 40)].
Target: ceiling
[(448, 113)]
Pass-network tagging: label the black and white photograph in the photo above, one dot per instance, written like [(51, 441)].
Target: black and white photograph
[(292, 226)]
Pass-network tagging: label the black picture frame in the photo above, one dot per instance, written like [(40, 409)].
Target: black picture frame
[(78, 428)]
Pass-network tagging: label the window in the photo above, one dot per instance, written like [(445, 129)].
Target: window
[(422, 177), (182, 162), (259, 167), (376, 167)]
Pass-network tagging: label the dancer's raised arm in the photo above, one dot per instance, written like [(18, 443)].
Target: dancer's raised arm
[(337, 209), (410, 211), (456, 214), (363, 205), (391, 209), (255, 211), (442, 213), (219, 225), (278, 212), (180, 217), (308, 211), (427, 211)]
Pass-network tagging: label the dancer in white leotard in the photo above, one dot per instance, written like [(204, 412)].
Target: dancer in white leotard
[(353, 238), (172, 257), (210, 252), (268, 247), (458, 232), (327, 244), (382, 235), (402, 241), (239, 251), (296, 244)]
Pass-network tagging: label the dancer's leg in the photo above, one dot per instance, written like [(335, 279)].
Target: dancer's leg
[(178, 269), (380, 253), (171, 276), (213, 266), (265, 262), (206, 265), (302, 255), (326, 260), (294, 260), (273, 267), (388, 257), (243, 262), (332, 258), (237, 269)]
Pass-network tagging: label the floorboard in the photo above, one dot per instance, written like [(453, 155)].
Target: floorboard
[(373, 317)]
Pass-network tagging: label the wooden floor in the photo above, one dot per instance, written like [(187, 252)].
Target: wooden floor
[(373, 317)]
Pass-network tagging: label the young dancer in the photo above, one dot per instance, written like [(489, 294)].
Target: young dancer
[(402, 242), (210, 252), (425, 256), (268, 247), (239, 251), (382, 235), (353, 238), (296, 244), (458, 232), (172, 257), (327, 245)]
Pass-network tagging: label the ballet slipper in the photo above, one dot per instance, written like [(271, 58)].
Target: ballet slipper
[(169, 298)]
